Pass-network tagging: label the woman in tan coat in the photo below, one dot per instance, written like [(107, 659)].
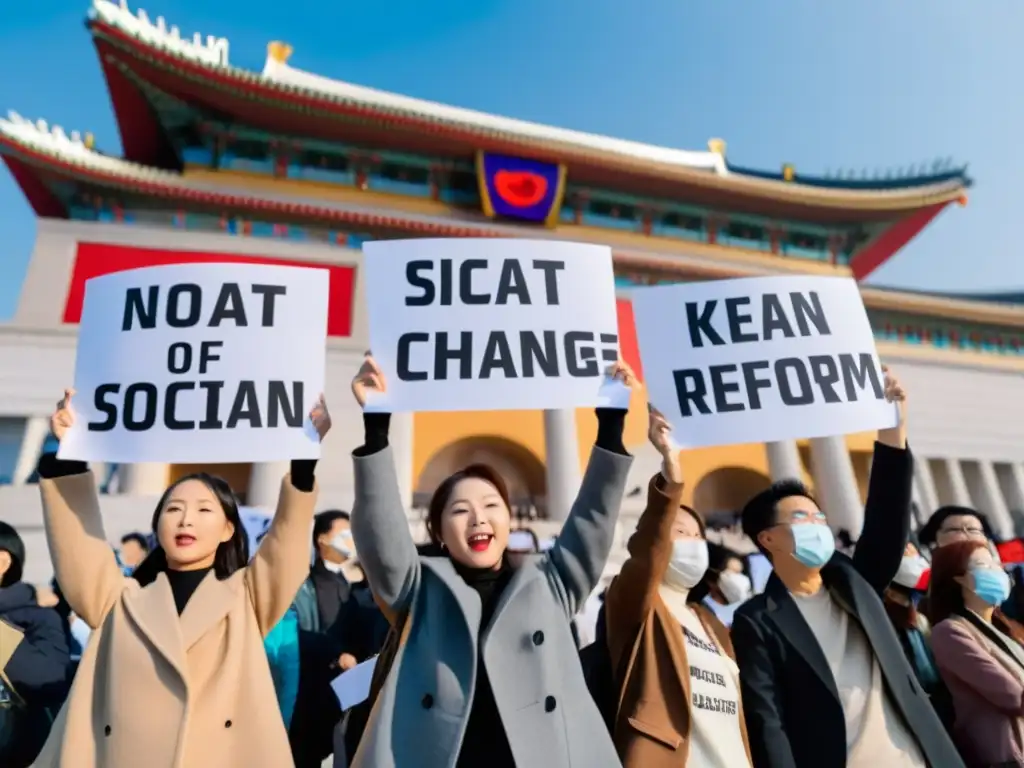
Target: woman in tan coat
[(175, 674), (679, 699)]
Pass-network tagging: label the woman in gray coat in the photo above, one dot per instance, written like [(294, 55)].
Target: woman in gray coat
[(488, 673)]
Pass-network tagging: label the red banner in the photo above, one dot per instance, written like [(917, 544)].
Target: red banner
[(96, 259)]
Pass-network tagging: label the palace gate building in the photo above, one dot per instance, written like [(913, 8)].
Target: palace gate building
[(287, 166)]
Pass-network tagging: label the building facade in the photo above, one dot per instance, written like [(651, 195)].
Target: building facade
[(286, 166)]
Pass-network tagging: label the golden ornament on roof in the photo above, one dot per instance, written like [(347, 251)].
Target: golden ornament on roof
[(279, 52), (788, 172), (717, 146), (89, 141)]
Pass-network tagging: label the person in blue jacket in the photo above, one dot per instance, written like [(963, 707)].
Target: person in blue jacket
[(282, 645)]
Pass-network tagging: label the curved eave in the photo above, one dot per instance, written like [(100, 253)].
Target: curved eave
[(958, 175), (207, 84), (163, 185), (28, 163), (941, 306), (40, 164)]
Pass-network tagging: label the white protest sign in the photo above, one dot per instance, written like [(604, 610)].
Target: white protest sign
[(760, 359), (478, 324), (199, 363)]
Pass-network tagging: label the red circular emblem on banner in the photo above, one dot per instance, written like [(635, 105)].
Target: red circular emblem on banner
[(520, 188)]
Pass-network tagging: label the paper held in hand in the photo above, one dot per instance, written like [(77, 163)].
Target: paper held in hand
[(760, 359), (481, 324), (353, 686), (199, 363)]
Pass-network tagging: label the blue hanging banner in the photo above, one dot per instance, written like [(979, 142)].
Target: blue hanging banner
[(517, 188)]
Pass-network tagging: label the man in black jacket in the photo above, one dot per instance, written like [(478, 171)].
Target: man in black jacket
[(34, 660), (825, 682), (339, 626)]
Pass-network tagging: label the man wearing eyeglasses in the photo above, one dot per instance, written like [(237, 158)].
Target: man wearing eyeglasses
[(953, 523), (824, 679)]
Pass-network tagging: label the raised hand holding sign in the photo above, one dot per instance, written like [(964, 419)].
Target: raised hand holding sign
[(369, 380), (63, 417)]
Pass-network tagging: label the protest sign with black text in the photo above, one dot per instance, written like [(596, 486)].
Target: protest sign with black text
[(199, 363), (760, 359), (480, 324)]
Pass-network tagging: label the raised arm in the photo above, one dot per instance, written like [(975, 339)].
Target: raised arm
[(281, 564), (380, 526), (580, 552), (888, 509), (83, 560), (960, 657), (631, 595)]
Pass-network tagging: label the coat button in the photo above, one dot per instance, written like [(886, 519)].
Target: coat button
[(106, 730), (538, 637), (549, 704), (428, 701), (227, 723)]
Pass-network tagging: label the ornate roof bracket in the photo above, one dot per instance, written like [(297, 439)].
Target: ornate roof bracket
[(213, 51)]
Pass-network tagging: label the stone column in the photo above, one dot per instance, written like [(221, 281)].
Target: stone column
[(142, 479), (992, 502), (924, 484), (836, 484), (1015, 495), (265, 483), (1016, 488), (36, 430), (401, 438), (784, 460), (958, 484), (563, 461)]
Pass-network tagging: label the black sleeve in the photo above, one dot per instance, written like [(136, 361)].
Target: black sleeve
[(375, 428), (303, 474), (610, 424), (39, 665), (762, 709), (50, 467), (887, 516), (319, 651)]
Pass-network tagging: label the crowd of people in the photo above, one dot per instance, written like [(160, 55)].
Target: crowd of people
[(183, 649)]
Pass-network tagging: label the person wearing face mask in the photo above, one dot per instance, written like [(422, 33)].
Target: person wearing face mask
[(725, 587), (678, 702), (338, 626), (982, 667), (901, 599), (825, 682), (487, 672)]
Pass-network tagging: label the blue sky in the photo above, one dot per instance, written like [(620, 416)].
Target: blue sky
[(824, 85)]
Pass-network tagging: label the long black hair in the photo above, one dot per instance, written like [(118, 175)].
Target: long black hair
[(231, 554)]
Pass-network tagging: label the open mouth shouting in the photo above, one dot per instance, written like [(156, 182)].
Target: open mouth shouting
[(480, 542)]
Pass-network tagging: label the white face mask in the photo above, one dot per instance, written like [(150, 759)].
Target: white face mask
[(910, 571), (736, 587), (688, 564), (342, 544)]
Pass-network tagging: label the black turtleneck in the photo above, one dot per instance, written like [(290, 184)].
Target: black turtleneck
[(485, 741), (183, 584)]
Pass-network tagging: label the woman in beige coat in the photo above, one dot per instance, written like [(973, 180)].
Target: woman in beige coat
[(175, 675)]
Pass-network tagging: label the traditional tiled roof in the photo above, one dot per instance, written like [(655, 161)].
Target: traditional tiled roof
[(280, 79), (48, 148)]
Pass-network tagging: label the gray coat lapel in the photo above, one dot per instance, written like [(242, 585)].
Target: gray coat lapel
[(465, 595)]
